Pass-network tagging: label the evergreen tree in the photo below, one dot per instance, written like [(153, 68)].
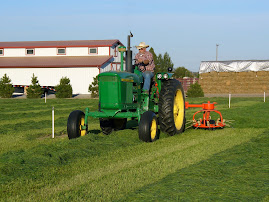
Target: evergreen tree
[(166, 62), (195, 90), (64, 89), (181, 72), (6, 88), (161, 62), (93, 88), (156, 59), (158, 64), (34, 90), (151, 50)]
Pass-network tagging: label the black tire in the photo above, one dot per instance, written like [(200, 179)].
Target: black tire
[(148, 127), (75, 120), (172, 98), (119, 124), (106, 125)]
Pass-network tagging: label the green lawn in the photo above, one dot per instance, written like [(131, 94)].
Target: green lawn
[(231, 164)]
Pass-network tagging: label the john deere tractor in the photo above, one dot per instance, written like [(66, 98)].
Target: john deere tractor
[(121, 98)]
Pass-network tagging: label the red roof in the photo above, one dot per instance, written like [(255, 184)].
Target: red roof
[(53, 61), (58, 44)]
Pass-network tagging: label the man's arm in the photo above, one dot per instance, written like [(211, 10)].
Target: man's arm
[(137, 59)]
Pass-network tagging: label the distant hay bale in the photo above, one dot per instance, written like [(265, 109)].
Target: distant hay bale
[(235, 82)]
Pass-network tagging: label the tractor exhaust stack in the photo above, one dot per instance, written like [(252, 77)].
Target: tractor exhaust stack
[(129, 66)]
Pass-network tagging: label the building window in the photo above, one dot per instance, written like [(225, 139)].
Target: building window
[(30, 51), (93, 51), (1, 51), (61, 51)]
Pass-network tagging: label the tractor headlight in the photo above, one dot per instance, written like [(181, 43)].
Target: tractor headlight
[(165, 76), (159, 76)]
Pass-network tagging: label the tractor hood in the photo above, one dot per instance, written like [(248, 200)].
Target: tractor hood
[(116, 90), (123, 76)]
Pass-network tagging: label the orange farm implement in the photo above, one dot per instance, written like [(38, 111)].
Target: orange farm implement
[(206, 122)]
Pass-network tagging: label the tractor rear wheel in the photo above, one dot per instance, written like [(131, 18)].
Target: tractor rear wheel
[(148, 127), (172, 107), (75, 121), (106, 125)]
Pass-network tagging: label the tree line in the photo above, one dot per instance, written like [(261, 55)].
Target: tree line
[(162, 62), (63, 90)]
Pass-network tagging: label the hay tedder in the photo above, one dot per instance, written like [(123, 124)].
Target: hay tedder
[(206, 122), (121, 97)]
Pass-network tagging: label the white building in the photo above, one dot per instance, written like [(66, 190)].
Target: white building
[(80, 61)]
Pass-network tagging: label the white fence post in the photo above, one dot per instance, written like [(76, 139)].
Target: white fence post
[(230, 95), (264, 96), (45, 97), (52, 122)]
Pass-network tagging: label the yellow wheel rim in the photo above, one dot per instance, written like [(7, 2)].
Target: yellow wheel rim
[(82, 122), (178, 109), (153, 129)]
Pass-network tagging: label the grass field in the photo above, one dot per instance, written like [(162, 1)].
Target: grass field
[(231, 164)]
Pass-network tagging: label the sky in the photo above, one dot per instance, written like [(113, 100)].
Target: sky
[(187, 30)]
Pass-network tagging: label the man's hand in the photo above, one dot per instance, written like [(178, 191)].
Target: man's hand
[(146, 62), (140, 60)]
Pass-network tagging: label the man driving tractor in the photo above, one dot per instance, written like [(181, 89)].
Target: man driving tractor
[(120, 98), (145, 62)]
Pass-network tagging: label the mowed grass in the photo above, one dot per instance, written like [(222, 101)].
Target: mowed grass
[(228, 164)]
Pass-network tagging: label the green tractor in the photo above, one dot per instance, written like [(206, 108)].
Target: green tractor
[(121, 98)]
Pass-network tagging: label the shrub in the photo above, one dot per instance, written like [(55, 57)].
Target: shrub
[(34, 90), (64, 89), (93, 88), (195, 90), (6, 88)]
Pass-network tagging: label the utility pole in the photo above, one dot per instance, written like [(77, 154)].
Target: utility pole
[(217, 46)]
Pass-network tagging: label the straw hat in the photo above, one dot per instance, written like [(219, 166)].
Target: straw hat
[(142, 45)]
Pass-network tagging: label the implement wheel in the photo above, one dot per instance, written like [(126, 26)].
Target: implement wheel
[(148, 127), (75, 121), (172, 107)]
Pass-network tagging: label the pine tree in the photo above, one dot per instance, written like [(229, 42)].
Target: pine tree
[(166, 62), (93, 88), (64, 89), (155, 59), (161, 62), (181, 72), (34, 90), (6, 88), (151, 50), (195, 90)]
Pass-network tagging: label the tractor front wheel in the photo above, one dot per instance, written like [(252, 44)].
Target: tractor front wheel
[(148, 127), (172, 107), (75, 122)]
